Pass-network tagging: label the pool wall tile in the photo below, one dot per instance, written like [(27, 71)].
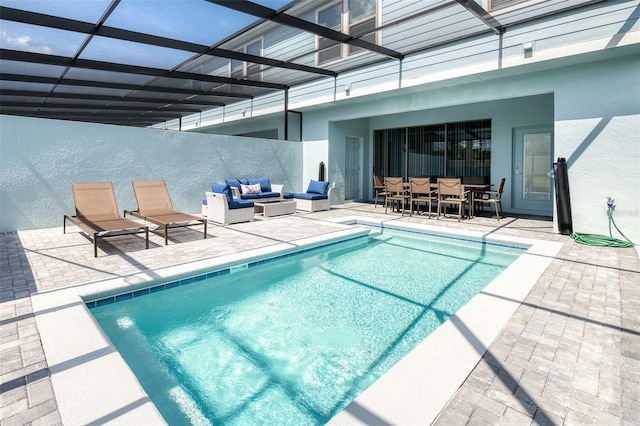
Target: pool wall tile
[(225, 271)]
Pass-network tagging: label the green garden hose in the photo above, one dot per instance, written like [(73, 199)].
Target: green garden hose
[(603, 240)]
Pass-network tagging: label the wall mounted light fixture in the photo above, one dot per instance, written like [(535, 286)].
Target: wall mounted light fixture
[(527, 49)]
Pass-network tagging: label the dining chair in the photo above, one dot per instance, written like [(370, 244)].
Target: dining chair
[(420, 191), (395, 192), (491, 197), (451, 191), (378, 190)]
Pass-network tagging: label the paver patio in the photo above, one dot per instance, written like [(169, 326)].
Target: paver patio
[(569, 355)]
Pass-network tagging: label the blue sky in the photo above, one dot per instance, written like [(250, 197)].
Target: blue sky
[(195, 21)]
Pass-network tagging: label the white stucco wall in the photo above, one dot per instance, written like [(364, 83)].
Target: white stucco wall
[(314, 152), (40, 158), (594, 108), (597, 129)]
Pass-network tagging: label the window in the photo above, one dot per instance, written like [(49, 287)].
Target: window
[(249, 70), (361, 23), (330, 17), (500, 4), (459, 149)]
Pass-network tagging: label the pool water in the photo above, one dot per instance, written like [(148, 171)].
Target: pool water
[(295, 340)]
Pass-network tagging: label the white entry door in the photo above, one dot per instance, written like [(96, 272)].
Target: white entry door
[(532, 161), (352, 168)]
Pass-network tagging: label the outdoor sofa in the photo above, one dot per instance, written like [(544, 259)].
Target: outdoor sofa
[(260, 189), (316, 198), (219, 206)]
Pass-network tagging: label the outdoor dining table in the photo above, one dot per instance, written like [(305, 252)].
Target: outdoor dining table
[(472, 187)]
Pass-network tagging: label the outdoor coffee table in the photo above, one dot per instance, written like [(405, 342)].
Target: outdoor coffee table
[(275, 208)]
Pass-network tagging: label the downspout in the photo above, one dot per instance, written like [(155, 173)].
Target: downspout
[(286, 114)]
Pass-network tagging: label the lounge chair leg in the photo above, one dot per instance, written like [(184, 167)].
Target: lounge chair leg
[(166, 235)]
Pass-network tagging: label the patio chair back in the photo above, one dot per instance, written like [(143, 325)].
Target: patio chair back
[(152, 197), (95, 201)]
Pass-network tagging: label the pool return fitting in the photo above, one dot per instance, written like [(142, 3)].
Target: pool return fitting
[(603, 240)]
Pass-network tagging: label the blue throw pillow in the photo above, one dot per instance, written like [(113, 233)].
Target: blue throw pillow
[(265, 184), (316, 187)]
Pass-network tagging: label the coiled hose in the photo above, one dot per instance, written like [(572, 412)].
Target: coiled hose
[(603, 240)]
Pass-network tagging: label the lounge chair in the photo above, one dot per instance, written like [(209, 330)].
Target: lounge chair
[(154, 205), (97, 213)]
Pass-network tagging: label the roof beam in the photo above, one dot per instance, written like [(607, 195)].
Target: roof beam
[(116, 85), (85, 96), (27, 17), (97, 107), (269, 14), (118, 119), (40, 58), (479, 12)]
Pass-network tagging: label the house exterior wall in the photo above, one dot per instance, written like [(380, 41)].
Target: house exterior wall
[(40, 158), (593, 109)]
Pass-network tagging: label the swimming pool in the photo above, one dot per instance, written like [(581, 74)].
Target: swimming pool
[(295, 340)]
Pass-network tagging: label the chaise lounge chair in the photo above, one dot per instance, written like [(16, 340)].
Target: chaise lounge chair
[(97, 213), (154, 205)]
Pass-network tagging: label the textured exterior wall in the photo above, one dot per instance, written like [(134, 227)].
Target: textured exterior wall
[(40, 158)]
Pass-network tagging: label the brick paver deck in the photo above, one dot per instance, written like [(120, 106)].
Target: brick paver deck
[(569, 355)]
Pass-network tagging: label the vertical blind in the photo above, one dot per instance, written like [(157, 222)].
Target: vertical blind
[(461, 149)]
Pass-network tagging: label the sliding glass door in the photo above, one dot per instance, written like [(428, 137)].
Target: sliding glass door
[(450, 149)]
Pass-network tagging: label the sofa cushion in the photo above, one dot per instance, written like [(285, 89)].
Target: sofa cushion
[(218, 187), (223, 189), (265, 184), (305, 196), (234, 182), (260, 195), (240, 204), (251, 189), (317, 187)]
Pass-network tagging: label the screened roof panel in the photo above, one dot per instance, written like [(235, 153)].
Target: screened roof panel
[(141, 62), (29, 69), (195, 21), (99, 75), (37, 39), (88, 10), (136, 54)]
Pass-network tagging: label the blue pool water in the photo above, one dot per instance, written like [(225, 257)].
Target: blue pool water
[(295, 340)]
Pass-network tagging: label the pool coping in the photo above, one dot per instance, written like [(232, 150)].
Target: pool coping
[(93, 384)]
